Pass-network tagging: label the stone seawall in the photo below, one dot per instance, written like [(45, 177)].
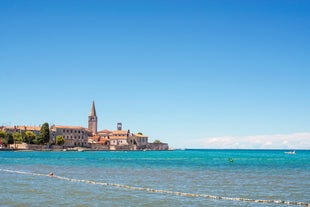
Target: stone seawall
[(96, 146), (158, 146), (25, 146), (92, 146)]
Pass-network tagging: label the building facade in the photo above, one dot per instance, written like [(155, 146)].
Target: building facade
[(119, 137), (77, 136), (22, 129), (74, 136)]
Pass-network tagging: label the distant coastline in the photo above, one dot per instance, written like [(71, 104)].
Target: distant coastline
[(63, 138), (170, 149)]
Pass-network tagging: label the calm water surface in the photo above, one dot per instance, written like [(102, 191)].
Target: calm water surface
[(253, 174)]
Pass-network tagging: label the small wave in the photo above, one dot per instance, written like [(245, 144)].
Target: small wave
[(161, 191)]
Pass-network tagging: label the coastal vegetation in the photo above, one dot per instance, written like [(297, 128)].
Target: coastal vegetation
[(44, 135), (29, 137), (60, 140), (6, 138), (17, 137), (157, 141), (2, 135)]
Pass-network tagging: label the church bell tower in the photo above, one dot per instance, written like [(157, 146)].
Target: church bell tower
[(92, 119)]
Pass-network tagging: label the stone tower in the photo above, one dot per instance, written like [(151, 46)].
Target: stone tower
[(119, 126), (92, 119)]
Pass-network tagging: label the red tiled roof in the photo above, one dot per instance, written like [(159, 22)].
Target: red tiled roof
[(105, 131), (30, 128), (69, 127), (120, 132)]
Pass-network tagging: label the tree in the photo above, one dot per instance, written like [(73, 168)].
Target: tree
[(157, 141), (2, 134), (44, 136), (3, 138), (29, 137), (18, 139), (60, 140), (23, 136), (10, 138), (36, 140), (140, 133)]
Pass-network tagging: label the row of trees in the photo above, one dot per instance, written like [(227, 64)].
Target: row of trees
[(17, 138), (29, 137)]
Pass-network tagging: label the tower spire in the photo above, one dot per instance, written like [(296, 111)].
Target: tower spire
[(92, 119), (93, 110)]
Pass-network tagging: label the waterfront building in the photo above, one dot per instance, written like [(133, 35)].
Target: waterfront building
[(141, 140), (78, 136), (138, 141), (22, 129), (74, 136), (119, 137), (105, 133)]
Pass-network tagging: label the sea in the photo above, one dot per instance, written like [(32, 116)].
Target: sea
[(155, 178)]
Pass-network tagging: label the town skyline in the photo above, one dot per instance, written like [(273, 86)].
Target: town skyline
[(199, 74), (63, 137)]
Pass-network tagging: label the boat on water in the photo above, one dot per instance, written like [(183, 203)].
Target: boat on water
[(290, 152)]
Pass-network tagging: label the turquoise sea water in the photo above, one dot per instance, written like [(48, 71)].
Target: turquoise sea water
[(155, 178)]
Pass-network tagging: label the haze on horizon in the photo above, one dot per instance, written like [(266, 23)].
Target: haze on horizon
[(194, 74)]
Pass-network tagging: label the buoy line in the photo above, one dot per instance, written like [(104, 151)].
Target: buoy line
[(162, 191)]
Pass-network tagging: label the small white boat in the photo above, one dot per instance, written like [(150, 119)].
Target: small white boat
[(290, 152)]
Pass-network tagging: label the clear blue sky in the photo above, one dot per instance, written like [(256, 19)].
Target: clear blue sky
[(179, 71)]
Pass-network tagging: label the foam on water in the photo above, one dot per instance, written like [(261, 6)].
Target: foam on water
[(161, 191)]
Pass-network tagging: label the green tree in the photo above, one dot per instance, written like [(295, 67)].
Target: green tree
[(3, 138), (157, 141), (2, 134), (10, 138), (60, 140), (18, 139), (44, 136), (29, 137), (36, 140), (140, 133), (23, 136)]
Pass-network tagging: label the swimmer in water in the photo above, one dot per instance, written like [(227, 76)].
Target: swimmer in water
[(51, 174)]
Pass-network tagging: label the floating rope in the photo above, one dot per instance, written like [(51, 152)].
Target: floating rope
[(162, 191)]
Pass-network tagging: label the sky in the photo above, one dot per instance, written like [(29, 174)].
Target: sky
[(195, 74)]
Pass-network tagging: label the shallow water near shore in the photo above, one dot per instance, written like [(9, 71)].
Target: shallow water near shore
[(155, 178)]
